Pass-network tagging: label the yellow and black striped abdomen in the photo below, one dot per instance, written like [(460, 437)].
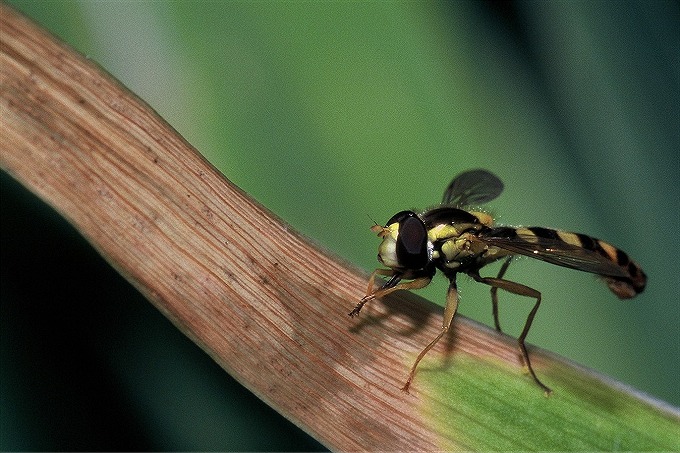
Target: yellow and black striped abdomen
[(578, 251), (625, 287)]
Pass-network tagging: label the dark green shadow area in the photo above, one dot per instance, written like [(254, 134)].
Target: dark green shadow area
[(89, 364)]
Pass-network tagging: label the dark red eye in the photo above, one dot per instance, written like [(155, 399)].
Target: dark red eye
[(411, 241)]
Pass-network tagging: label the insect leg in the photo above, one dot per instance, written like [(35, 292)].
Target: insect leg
[(371, 280), (494, 294), (388, 287), (449, 312), (522, 290)]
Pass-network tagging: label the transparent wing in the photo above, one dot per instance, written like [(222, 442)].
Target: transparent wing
[(471, 188), (554, 251)]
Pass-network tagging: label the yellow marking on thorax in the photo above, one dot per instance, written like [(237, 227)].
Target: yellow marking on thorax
[(461, 247), (450, 250), (483, 217), (441, 232)]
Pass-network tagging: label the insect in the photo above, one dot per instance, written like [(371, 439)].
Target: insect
[(456, 239)]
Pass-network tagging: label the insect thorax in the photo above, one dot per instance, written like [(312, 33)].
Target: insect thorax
[(451, 237)]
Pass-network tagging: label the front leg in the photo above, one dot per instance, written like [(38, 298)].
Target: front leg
[(389, 287)]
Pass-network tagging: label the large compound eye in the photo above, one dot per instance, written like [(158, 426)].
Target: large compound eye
[(411, 241), (399, 217)]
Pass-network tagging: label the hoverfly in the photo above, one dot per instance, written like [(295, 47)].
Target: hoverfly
[(456, 239)]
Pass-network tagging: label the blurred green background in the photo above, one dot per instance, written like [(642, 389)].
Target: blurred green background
[(332, 114)]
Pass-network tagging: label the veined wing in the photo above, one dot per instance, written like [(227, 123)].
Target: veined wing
[(572, 250), (471, 188)]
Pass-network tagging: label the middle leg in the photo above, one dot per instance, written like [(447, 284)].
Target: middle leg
[(494, 294), (449, 312)]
